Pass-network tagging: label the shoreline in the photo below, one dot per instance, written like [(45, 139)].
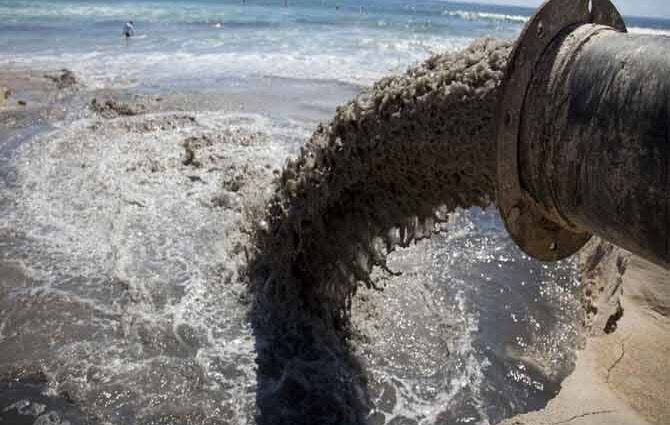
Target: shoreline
[(123, 241), (621, 377), (597, 391)]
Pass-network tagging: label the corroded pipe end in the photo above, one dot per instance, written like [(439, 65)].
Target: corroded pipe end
[(531, 227)]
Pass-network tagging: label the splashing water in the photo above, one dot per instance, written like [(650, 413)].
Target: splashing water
[(147, 280), (392, 163)]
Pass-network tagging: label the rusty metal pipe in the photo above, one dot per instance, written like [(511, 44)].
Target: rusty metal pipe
[(584, 135)]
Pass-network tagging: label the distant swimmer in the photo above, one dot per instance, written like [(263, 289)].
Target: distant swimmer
[(129, 29)]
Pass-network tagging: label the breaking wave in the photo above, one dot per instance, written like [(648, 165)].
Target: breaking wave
[(649, 31), (486, 16)]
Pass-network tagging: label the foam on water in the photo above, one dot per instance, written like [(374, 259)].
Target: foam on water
[(186, 41), (99, 70), (423, 357), (131, 262), (227, 56), (12, 12), (650, 31), (475, 16)]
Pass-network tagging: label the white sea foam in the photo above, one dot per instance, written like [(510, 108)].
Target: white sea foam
[(148, 12), (469, 376), (148, 266), (479, 16), (426, 379), (649, 31), (373, 59)]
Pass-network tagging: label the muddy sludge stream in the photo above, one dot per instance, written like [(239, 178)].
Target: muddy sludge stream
[(394, 164), (155, 287)]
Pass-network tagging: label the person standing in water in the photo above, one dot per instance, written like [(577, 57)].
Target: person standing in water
[(128, 30)]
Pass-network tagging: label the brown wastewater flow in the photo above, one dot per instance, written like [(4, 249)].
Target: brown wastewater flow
[(392, 163)]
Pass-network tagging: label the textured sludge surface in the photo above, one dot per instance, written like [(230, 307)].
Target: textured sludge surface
[(183, 286), (392, 164)]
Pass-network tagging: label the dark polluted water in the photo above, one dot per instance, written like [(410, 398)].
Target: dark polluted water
[(159, 268)]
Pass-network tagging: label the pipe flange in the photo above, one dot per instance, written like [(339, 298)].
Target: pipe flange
[(531, 229)]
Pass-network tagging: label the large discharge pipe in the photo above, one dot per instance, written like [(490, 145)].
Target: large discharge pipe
[(583, 130)]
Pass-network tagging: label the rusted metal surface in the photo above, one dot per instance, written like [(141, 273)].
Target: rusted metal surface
[(595, 143), (536, 230), (544, 120)]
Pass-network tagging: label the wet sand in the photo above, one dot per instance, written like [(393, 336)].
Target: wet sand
[(621, 376)]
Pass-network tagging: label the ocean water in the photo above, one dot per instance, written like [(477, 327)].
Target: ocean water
[(348, 41), (119, 281), (207, 41)]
